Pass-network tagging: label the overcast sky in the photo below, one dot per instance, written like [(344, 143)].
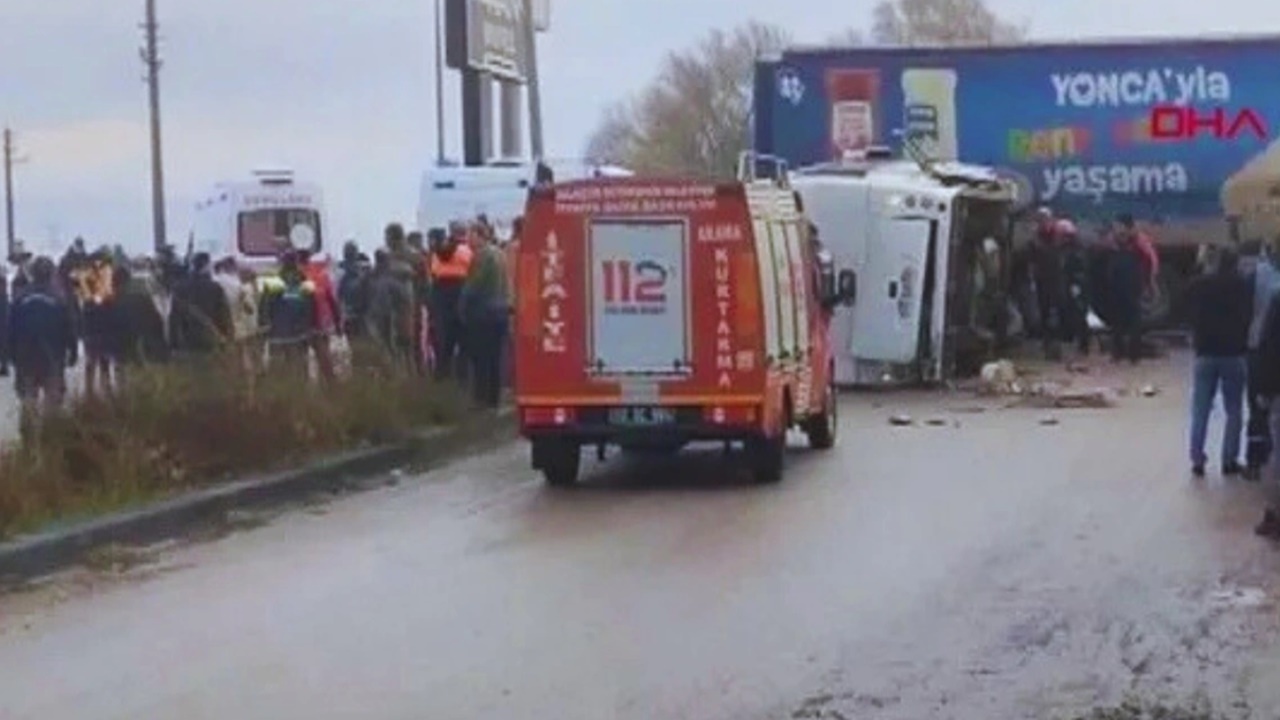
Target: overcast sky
[(342, 90)]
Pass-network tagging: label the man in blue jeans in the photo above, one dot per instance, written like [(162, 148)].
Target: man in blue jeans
[(1221, 303)]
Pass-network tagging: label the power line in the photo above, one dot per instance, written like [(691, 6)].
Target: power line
[(151, 59)]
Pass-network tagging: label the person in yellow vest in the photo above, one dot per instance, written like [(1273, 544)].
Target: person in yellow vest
[(449, 266), (94, 284)]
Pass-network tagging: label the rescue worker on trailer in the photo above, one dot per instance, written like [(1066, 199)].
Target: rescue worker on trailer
[(449, 267)]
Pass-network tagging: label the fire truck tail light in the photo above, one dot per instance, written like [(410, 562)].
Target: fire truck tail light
[(731, 415), (548, 415)]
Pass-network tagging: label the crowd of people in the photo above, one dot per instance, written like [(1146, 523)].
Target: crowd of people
[(440, 307), (1235, 322), (1234, 313), (1061, 279)]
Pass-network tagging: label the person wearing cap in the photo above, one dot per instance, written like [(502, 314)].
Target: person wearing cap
[(450, 265), (42, 342)]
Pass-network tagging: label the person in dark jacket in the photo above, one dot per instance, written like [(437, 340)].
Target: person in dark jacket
[(290, 315), (1046, 267), (353, 291), (390, 304), (1075, 275), (200, 320), (1266, 386), (1221, 304), (42, 341), (138, 327), (1127, 280)]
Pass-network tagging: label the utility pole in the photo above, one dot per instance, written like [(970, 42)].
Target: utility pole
[(151, 58), (10, 159), (440, 82)]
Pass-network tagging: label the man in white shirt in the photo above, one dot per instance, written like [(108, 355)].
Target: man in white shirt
[(243, 303)]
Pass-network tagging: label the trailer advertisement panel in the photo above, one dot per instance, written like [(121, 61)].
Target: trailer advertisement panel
[(1155, 129)]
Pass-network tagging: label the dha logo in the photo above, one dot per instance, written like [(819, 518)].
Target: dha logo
[(790, 86)]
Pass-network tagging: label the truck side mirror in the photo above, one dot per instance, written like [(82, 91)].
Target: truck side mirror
[(847, 287)]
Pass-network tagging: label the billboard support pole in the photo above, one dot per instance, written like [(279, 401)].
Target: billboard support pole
[(472, 118), (440, 82), (534, 90)]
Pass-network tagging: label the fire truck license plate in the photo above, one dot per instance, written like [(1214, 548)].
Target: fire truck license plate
[(642, 416)]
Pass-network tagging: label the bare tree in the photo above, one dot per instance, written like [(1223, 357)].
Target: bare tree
[(912, 23), (849, 37), (696, 116)]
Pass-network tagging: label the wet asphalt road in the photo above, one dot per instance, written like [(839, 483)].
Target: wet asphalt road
[(1000, 568)]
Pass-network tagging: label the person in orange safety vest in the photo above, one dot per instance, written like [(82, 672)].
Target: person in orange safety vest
[(449, 265)]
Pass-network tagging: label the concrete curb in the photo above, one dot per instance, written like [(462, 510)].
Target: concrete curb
[(33, 556)]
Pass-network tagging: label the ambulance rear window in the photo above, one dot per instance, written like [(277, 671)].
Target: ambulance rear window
[(265, 233)]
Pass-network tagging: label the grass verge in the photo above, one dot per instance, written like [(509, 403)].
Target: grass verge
[(183, 426)]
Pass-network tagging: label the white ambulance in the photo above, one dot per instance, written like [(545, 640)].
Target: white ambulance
[(929, 243), (254, 220), (497, 190)]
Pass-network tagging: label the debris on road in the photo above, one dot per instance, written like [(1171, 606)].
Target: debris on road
[(1050, 421), (1068, 398), (936, 422), (998, 378), (1150, 391), (901, 420)]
